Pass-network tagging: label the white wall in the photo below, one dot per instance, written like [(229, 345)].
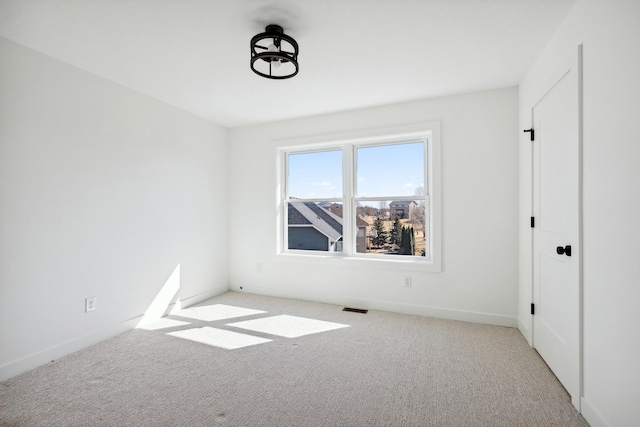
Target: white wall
[(103, 192), (479, 227), (610, 33)]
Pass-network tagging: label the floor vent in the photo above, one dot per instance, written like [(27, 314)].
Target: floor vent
[(355, 310)]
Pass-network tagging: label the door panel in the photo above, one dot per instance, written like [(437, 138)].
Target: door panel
[(554, 275), (556, 210), (555, 205)]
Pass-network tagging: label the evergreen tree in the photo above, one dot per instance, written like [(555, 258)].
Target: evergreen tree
[(403, 241), (412, 244), (395, 236), (381, 235), (407, 243)]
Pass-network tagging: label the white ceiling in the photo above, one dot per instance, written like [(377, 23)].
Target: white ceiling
[(194, 54)]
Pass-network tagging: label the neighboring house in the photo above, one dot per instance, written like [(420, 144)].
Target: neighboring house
[(361, 235), (335, 208), (402, 209), (315, 228)]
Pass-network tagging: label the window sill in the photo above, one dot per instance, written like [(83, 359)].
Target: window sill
[(397, 262)]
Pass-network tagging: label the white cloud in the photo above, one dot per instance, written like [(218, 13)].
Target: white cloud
[(410, 185), (322, 184)]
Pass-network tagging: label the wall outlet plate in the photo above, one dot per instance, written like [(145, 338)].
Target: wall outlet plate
[(91, 304), (407, 281)]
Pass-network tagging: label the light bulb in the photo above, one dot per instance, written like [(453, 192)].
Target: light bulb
[(273, 48)]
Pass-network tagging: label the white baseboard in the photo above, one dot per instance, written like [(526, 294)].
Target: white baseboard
[(420, 310), (32, 361), (591, 415), (50, 354), (195, 299), (525, 331)]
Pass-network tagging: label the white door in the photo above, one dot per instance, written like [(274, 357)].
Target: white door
[(556, 290)]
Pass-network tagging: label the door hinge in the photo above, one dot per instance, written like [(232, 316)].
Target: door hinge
[(533, 308), (532, 133), (533, 222)]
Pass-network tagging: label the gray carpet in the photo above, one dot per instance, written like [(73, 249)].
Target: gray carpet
[(385, 369)]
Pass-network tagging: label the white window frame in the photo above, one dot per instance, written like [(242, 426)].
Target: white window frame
[(429, 133)]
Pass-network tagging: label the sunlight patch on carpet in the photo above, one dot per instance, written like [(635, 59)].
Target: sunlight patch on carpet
[(210, 313), (288, 326), (219, 337), (163, 323)]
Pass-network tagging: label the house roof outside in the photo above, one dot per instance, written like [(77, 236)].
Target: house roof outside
[(325, 221), (360, 223)]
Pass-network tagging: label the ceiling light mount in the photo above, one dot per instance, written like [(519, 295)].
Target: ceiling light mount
[(274, 54)]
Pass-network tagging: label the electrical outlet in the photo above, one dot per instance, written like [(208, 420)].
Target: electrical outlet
[(407, 281), (91, 304), (259, 267)]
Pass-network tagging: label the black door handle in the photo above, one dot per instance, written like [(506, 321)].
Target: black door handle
[(564, 251)]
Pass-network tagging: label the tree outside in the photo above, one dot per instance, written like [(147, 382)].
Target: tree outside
[(395, 234), (407, 243), (381, 235)]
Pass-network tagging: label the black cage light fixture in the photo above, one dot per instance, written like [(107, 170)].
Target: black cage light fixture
[(274, 54)]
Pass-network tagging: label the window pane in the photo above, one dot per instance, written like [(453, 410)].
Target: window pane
[(386, 170), (391, 227), (315, 175), (315, 226)]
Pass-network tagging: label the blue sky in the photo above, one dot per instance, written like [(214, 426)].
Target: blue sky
[(389, 170)]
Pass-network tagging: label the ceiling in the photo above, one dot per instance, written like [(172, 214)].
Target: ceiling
[(194, 54)]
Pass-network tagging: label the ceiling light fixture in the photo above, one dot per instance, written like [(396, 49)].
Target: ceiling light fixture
[(274, 54)]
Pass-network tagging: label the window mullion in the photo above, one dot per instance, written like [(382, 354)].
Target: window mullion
[(347, 206), (322, 199), (427, 166), (284, 196), (388, 198)]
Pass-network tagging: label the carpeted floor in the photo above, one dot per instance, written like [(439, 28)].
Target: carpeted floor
[(384, 369)]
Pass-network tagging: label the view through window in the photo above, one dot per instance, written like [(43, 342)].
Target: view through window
[(359, 199)]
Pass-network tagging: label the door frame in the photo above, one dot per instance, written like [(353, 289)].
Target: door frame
[(575, 59)]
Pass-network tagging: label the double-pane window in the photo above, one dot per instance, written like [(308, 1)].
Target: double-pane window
[(367, 199)]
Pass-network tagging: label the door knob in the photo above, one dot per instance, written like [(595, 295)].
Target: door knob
[(564, 251)]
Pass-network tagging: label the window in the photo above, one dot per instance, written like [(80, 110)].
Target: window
[(315, 201), (370, 197)]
